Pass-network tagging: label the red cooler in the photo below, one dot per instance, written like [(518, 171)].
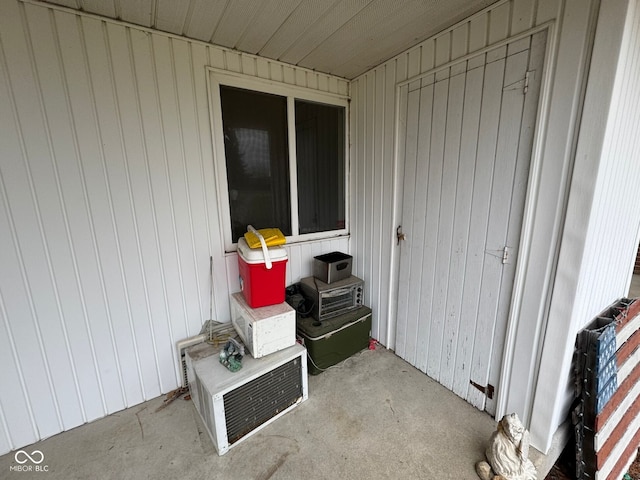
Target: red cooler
[(262, 286)]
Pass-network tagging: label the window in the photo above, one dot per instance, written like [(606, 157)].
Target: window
[(320, 148), (281, 159), (257, 160)]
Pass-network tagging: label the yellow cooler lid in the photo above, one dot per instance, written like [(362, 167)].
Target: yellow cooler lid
[(272, 237), (256, 255)]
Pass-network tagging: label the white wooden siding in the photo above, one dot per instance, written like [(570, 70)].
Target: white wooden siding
[(570, 27), (109, 213)]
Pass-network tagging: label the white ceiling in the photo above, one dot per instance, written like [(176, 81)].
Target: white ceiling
[(340, 37)]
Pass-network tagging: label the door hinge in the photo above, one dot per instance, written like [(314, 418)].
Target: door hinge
[(526, 81), (504, 254), (488, 390)]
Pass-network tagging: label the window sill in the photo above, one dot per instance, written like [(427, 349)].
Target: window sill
[(301, 241)]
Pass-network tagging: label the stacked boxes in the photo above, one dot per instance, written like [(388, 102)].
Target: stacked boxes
[(264, 321), (235, 403), (339, 325)]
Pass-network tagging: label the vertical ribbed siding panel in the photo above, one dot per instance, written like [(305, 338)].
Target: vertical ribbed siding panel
[(69, 326), (25, 251), (84, 344), (616, 215), (91, 165), (354, 159), (156, 298), (522, 15), (367, 254), (388, 303), (396, 72), (359, 136), (194, 245), (371, 195), (378, 296), (131, 204), (601, 220), (18, 425), (110, 215), (179, 243), (491, 25), (200, 57)]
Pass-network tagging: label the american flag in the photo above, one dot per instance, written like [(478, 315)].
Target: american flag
[(606, 415)]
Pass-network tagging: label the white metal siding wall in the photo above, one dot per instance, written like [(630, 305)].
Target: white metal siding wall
[(108, 213), (603, 217), (616, 214), (372, 139), (373, 150), (471, 156)]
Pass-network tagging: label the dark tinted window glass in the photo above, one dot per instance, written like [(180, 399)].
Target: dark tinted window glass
[(255, 143), (320, 148)]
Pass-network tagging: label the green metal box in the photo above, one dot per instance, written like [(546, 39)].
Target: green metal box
[(333, 340)]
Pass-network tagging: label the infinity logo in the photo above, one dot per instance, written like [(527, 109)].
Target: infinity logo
[(29, 457)]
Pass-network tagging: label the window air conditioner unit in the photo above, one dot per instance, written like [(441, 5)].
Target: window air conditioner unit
[(182, 347), (234, 406)]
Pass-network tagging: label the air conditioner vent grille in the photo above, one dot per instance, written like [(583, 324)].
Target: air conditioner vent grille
[(255, 402)]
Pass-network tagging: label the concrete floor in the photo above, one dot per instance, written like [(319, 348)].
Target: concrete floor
[(372, 417)]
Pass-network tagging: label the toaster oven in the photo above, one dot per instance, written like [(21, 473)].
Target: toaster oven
[(333, 299)]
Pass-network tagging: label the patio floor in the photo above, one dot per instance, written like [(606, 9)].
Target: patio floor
[(373, 416)]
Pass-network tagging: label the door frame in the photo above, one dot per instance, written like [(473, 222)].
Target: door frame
[(531, 198)]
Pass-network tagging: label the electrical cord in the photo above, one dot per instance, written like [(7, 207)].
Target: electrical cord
[(298, 300), (337, 365)]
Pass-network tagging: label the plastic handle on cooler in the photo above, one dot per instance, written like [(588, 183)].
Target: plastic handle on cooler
[(263, 244)]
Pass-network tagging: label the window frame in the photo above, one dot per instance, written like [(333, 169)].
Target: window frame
[(291, 93)]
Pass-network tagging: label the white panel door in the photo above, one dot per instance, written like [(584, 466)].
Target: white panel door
[(465, 144)]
